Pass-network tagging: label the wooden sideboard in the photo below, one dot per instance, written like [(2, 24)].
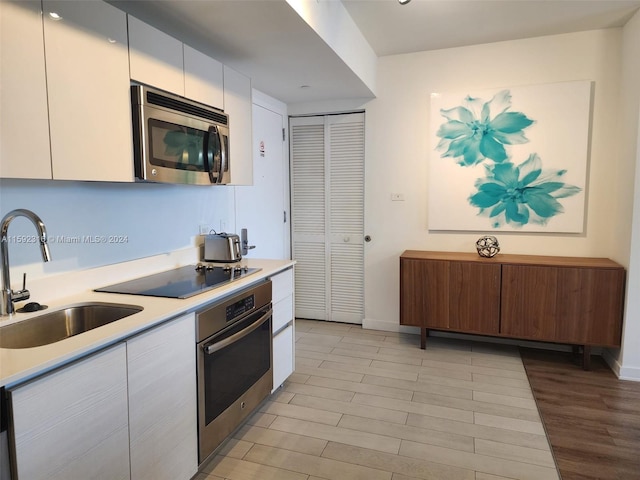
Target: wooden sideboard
[(571, 300)]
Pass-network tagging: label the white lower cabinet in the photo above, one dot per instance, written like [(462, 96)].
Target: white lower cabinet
[(72, 423), (127, 412), (162, 402), (282, 356), (283, 327)]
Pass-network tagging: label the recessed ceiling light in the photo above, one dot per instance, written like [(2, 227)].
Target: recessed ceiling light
[(403, 2), (55, 16), (305, 86)]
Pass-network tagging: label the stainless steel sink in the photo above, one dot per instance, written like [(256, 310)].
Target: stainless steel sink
[(64, 323)]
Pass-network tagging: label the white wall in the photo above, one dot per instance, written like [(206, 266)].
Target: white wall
[(397, 123), (628, 232)]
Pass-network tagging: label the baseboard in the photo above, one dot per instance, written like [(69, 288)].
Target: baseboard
[(622, 372), (371, 324), (612, 361), (630, 373)]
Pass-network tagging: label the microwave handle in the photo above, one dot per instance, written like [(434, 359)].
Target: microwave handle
[(207, 157), (224, 161), (209, 161)]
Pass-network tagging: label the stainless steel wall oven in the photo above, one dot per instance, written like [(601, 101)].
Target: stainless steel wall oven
[(235, 363)]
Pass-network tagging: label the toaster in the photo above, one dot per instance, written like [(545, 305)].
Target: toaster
[(222, 247)]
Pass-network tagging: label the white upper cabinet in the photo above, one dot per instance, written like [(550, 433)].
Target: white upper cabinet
[(156, 59), (164, 62), (237, 104), (88, 85), (24, 121), (202, 78)]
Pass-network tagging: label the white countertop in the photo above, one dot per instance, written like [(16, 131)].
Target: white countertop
[(19, 365)]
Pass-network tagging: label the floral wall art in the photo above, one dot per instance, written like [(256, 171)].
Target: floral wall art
[(510, 159)]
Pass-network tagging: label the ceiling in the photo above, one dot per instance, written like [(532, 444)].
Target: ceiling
[(268, 41)]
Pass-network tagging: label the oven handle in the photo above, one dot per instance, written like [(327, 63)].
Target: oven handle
[(209, 349)]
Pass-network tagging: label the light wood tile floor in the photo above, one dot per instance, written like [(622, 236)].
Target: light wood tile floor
[(371, 405)]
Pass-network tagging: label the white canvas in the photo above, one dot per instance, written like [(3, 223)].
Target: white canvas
[(538, 131)]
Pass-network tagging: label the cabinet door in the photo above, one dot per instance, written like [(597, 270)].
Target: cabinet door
[(590, 306), (155, 58), (474, 297), (282, 313), (237, 104), (162, 401), (203, 78), (283, 361), (72, 423), (283, 327), (529, 302), (24, 120), (88, 84), (282, 285), (424, 293)]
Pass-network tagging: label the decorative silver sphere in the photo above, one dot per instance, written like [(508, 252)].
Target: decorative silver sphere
[(487, 246)]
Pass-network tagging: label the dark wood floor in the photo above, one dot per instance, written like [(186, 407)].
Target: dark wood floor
[(592, 418)]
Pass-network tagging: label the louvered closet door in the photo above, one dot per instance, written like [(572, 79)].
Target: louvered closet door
[(327, 155)]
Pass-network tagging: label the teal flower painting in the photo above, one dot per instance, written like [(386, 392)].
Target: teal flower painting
[(479, 130), (510, 159), (522, 194)]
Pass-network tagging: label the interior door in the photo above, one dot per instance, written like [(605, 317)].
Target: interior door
[(261, 208), (327, 184)]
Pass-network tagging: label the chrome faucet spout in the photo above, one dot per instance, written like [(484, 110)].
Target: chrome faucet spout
[(8, 295)]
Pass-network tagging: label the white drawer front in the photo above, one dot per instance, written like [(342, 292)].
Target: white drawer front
[(282, 356), (282, 285), (282, 313)]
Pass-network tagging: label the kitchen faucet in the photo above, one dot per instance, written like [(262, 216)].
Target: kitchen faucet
[(8, 295)]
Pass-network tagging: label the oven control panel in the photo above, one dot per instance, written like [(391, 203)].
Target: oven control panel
[(240, 307), (219, 315)]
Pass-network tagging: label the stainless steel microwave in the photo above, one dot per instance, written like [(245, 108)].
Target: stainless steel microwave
[(177, 140)]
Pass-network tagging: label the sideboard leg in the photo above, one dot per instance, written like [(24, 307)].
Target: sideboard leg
[(586, 357), (423, 338)]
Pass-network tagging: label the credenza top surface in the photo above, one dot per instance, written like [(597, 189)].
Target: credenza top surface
[(510, 259)]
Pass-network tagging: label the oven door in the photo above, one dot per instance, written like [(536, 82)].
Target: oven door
[(235, 375), (175, 148)]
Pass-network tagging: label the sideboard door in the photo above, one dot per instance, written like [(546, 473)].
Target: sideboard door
[(529, 302), (590, 306), (474, 297), (424, 293)]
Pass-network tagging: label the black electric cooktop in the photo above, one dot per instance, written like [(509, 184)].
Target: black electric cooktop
[(181, 282)]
